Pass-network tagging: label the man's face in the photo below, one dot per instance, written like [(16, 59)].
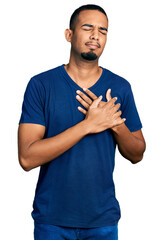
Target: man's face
[(90, 35)]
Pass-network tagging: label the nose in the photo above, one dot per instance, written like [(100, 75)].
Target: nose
[(94, 35)]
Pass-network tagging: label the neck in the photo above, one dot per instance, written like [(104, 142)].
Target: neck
[(82, 71)]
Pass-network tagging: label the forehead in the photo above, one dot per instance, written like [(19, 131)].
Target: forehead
[(93, 17)]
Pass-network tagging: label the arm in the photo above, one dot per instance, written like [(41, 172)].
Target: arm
[(34, 151), (130, 144)]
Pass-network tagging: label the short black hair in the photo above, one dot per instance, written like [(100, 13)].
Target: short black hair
[(84, 7)]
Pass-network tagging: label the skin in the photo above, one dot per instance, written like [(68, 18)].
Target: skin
[(86, 73), (34, 151), (130, 144)]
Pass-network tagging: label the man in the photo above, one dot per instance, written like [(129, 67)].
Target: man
[(72, 134)]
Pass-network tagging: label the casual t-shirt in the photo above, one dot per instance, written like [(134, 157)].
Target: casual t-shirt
[(76, 189)]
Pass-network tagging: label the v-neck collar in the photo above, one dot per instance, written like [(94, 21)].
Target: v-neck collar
[(69, 79)]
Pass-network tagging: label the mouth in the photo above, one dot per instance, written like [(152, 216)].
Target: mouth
[(92, 45)]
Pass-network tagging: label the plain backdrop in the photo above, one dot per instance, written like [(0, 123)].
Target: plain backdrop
[(33, 41)]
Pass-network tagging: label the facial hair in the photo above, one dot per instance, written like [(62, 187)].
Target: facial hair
[(90, 56)]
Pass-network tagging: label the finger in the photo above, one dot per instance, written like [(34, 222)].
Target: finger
[(85, 98), (119, 121), (86, 105), (117, 106), (117, 114), (82, 110), (96, 102), (110, 104), (108, 94), (114, 99), (91, 94)]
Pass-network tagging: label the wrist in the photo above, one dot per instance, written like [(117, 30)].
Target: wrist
[(117, 128), (86, 126)]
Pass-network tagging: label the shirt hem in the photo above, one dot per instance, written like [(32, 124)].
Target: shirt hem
[(133, 129), (34, 122), (72, 225)]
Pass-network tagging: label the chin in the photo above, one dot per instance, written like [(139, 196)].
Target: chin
[(90, 56)]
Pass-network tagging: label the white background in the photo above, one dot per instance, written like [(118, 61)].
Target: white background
[(32, 41)]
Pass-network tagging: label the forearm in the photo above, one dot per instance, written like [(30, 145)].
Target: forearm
[(46, 150), (130, 146)]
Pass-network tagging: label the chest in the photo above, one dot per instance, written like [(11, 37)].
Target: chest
[(61, 106)]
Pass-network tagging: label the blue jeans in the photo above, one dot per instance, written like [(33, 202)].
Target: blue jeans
[(53, 232)]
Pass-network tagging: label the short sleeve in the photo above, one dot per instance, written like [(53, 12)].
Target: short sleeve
[(129, 111), (33, 103)]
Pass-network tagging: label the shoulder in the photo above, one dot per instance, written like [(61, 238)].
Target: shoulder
[(45, 77), (117, 79)]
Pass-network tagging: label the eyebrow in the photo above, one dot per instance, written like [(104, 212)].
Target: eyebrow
[(89, 25)]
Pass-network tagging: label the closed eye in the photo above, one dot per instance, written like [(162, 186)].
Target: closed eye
[(86, 29), (102, 33)]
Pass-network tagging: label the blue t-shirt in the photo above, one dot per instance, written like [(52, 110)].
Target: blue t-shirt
[(76, 189)]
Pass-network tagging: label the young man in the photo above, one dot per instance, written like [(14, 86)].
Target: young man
[(72, 134)]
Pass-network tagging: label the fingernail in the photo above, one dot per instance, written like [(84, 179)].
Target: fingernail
[(84, 89), (101, 97), (77, 91)]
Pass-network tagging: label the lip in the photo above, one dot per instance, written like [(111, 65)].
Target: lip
[(92, 45)]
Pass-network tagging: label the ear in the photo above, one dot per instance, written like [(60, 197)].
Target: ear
[(68, 34)]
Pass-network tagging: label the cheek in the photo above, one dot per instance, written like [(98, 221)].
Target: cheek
[(79, 41), (103, 42)]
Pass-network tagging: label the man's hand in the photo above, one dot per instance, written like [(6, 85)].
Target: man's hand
[(100, 115), (86, 101), (130, 144)]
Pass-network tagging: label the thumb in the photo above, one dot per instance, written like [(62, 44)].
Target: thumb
[(96, 102), (108, 95)]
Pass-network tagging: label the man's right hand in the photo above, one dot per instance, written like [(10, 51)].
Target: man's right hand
[(101, 118)]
